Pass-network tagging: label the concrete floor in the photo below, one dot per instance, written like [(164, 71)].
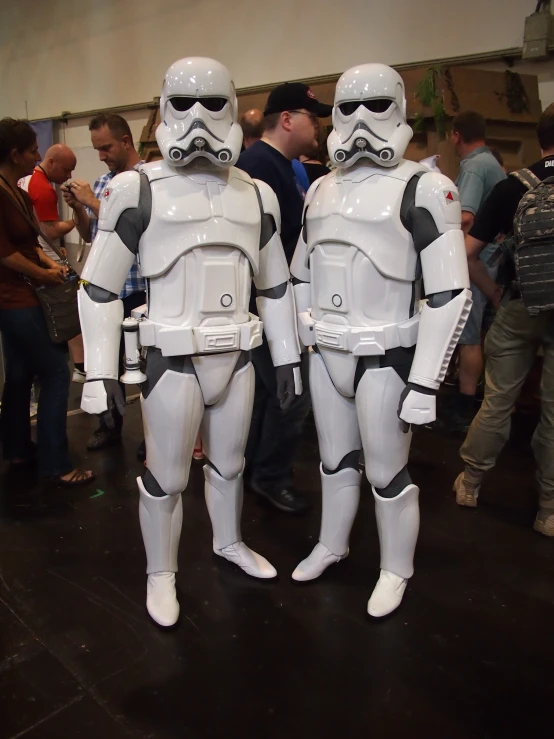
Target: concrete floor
[(468, 655)]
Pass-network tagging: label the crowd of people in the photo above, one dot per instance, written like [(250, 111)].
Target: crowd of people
[(284, 146)]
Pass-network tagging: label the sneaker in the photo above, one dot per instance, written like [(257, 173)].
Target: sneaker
[(544, 523), (79, 376), (466, 487), (102, 438), (288, 500), (198, 454)]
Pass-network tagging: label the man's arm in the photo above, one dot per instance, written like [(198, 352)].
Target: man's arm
[(493, 217), (45, 203), (471, 188), (478, 272), (81, 218), (47, 262), (467, 221), (57, 229)]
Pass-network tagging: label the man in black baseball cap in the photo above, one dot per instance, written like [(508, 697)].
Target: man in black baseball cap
[(295, 97), (290, 129)]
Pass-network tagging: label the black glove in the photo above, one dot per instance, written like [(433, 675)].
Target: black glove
[(285, 385), (115, 399)]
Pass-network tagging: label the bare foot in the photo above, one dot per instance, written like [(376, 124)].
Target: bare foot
[(77, 477)]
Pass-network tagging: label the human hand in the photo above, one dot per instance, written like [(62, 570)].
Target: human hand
[(82, 193), (54, 275), (67, 194)]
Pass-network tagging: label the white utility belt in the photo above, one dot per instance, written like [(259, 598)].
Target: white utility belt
[(359, 341), (185, 340)]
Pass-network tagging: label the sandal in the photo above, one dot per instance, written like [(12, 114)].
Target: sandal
[(78, 477)]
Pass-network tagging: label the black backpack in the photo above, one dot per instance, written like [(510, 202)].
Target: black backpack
[(533, 242)]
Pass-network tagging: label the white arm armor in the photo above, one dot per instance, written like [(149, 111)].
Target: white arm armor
[(105, 272), (275, 299), (301, 278), (445, 273), (101, 329)]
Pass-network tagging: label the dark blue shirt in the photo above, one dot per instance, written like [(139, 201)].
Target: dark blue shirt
[(262, 162)]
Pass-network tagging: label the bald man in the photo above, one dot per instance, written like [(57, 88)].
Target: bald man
[(56, 167), (252, 124)]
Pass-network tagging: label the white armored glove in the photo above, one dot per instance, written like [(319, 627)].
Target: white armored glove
[(418, 405), (100, 397)]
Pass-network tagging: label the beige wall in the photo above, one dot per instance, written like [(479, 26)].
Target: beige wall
[(74, 55)]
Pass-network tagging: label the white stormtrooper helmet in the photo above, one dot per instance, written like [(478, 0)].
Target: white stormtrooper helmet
[(369, 117), (198, 111)]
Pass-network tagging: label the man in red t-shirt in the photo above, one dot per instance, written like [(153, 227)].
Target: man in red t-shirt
[(56, 167)]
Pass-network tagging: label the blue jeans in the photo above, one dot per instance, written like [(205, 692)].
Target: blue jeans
[(29, 353), (274, 434)]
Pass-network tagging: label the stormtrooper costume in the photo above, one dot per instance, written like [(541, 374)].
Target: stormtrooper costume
[(201, 229), (372, 228)]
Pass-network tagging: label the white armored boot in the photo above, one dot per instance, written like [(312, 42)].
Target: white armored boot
[(340, 495), (398, 526), (224, 501), (161, 520)]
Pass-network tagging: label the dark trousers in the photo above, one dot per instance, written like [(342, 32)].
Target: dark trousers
[(274, 434), (29, 353), (129, 304)]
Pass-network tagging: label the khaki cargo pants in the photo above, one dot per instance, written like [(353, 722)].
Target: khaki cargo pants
[(510, 350)]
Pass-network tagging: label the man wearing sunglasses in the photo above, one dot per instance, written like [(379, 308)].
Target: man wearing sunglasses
[(290, 129)]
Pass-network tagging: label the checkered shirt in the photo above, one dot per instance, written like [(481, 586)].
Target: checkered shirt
[(134, 282)]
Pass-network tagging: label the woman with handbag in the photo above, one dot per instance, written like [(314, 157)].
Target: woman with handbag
[(29, 351)]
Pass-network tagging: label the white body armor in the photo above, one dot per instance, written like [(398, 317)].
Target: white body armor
[(372, 229), (202, 230), (208, 255)]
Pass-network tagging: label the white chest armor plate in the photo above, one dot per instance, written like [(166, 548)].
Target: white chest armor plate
[(198, 253), (362, 261)]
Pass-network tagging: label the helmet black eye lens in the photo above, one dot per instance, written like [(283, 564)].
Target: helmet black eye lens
[(182, 104), (376, 105), (214, 105), (349, 108)]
